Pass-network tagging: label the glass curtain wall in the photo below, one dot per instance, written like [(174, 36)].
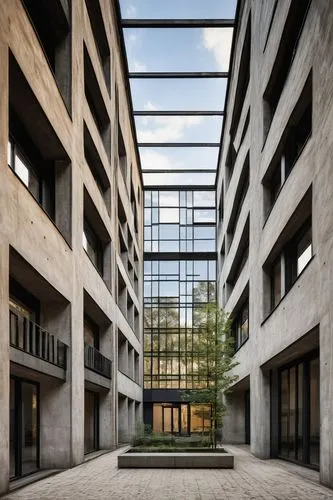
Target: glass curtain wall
[(179, 280)]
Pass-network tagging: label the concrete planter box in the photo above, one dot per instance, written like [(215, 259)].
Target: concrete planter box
[(176, 460)]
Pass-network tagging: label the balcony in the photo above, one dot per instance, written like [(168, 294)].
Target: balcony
[(95, 361), (31, 338)]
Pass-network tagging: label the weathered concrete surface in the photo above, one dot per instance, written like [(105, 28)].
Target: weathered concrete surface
[(251, 478), (177, 460)]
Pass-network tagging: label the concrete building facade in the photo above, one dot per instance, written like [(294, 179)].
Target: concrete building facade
[(71, 237), (275, 233)]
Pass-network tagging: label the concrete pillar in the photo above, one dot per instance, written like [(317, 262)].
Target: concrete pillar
[(122, 419), (260, 413), (4, 366), (233, 430), (275, 414), (106, 416), (131, 419), (326, 400)]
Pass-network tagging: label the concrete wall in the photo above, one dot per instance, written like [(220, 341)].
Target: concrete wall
[(62, 263), (308, 303)]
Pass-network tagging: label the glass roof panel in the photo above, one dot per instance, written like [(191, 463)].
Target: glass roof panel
[(178, 128), (206, 94), (178, 49), (185, 158), (177, 9), (193, 179)]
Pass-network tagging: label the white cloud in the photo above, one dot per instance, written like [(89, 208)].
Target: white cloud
[(131, 11), (151, 159), (218, 41), (164, 129)]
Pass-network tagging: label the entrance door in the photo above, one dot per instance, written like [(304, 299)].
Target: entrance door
[(24, 427), (171, 419), (91, 418)]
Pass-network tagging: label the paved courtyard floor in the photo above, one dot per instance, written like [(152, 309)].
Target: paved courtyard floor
[(99, 479)]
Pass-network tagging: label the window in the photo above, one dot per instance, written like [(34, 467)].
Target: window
[(98, 28), (240, 195), (122, 155), (293, 141), (24, 170), (240, 326), (276, 289), (284, 58), (96, 102), (298, 253), (290, 263), (93, 247), (91, 332), (52, 22)]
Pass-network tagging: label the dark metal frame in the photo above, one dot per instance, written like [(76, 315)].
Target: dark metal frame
[(18, 439), (305, 361), (177, 23)]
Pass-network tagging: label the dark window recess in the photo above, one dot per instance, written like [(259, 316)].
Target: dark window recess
[(96, 167), (91, 332), (243, 80), (221, 206), (52, 23), (134, 209), (102, 45), (285, 55), (298, 252), (93, 246), (246, 126), (240, 326), (239, 197), (293, 141), (241, 256), (35, 153), (96, 102), (286, 268), (122, 155), (230, 163)]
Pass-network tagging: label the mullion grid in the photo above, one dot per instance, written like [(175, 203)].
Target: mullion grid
[(162, 378)]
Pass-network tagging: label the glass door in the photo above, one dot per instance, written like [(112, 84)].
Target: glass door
[(24, 427), (91, 418)]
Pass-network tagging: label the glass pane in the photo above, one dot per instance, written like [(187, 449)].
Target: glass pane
[(300, 413), (167, 423), (90, 421), (13, 423), (29, 427), (292, 412), (184, 419), (314, 412), (169, 215), (174, 9), (178, 128), (204, 216), (157, 418), (193, 179), (204, 198), (175, 419), (178, 95), (180, 49), (187, 158), (276, 283), (284, 414)]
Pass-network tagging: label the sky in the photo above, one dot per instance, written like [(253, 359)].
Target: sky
[(195, 49)]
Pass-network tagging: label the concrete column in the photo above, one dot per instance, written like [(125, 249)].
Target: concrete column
[(131, 419), (275, 414), (4, 366), (122, 419), (233, 430), (106, 416), (326, 400), (260, 413)]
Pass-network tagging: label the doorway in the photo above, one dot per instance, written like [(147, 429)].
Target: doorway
[(91, 421), (24, 427)]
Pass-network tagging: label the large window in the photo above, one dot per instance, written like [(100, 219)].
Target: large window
[(181, 418), (299, 426), (240, 325), (286, 53), (290, 263), (92, 246), (180, 221)]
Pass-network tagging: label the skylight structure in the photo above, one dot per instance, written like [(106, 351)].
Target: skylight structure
[(178, 62)]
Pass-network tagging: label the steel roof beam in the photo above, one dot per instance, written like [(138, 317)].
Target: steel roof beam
[(178, 113), (178, 74), (178, 23), (178, 144), (179, 171)]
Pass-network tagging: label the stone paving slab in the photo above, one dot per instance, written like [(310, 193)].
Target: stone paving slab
[(251, 479)]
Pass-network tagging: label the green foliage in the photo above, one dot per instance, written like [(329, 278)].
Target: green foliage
[(214, 351), (162, 440)]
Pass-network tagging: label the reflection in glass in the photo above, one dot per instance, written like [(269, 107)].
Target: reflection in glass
[(29, 427), (314, 412)]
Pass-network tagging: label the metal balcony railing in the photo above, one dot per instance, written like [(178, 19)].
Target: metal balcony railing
[(96, 362), (33, 339)]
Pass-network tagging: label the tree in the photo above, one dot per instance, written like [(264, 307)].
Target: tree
[(213, 351)]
